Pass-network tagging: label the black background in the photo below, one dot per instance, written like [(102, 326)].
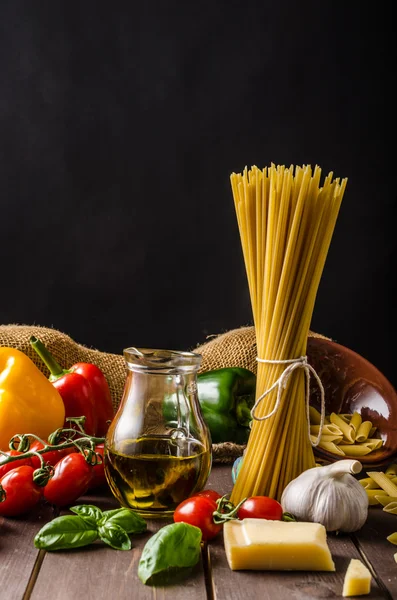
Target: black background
[(120, 124)]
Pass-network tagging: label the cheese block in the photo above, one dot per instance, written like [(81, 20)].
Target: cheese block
[(261, 544), (357, 580)]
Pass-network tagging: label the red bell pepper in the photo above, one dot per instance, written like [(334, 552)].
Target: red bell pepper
[(101, 392), (83, 388)]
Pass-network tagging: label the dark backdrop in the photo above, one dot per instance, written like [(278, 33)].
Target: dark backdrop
[(120, 124)]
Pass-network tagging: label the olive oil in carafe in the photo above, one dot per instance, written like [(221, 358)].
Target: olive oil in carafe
[(156, 475)]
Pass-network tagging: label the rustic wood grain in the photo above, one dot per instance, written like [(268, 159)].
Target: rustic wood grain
[(271, 585), (18, 555), (371, 541), (101, 572)]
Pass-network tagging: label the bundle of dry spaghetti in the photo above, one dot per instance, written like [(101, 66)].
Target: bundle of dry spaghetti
[(286, 220)]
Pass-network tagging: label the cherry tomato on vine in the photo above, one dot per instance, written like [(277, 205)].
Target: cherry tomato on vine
[(71, 479), (51, 457), (198, 510), (260, 507), (212, 494), (5, 468), (18, 492)]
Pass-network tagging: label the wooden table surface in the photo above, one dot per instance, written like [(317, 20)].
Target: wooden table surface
[(99, 572)]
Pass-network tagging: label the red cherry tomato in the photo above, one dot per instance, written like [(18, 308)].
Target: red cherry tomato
[(5, 468), (212, 494), (51, 457), (260, 507), (19, 492), (198, 511), (98, 471), (71, 479)]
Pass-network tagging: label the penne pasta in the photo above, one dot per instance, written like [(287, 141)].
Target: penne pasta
[(355, 421), (392, 538), (344, 429), (384, 482), (369, 484), (331, 438), (391, 470), (372, 496), (345, 416), (384, 500), (347, 430), (331, 447), (314, 415), (328, 429), (354, 450), (391, 508), (372, 444), (364, 431)]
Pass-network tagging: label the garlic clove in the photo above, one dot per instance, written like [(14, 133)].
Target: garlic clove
[(329, 495)]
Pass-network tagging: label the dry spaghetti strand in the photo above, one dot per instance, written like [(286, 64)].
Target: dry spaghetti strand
[(286, 220)]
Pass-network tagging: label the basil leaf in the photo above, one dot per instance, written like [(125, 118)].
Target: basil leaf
[(87, 510), (173, 548), (127, 518), (115, 536), (64, 533)]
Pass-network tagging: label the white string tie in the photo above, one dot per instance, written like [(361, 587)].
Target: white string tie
[(281, 384)]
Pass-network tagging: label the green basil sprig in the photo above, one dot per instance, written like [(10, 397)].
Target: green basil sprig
[(170, 552), (115, 536), (126, 518), (89, 524)]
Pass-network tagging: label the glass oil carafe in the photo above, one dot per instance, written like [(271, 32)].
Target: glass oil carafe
[(158, 447)]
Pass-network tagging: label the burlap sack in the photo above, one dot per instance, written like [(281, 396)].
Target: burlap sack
[(235, 348)]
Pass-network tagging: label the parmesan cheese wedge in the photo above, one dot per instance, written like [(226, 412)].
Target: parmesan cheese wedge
[(357, 580), (260, 544)]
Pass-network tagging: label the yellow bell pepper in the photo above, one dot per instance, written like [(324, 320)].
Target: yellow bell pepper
[(29, 403)]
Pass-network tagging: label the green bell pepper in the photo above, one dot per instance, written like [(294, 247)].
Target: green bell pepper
[(226, 397)]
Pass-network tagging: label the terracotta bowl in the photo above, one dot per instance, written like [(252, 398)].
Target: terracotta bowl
[(352, 383)]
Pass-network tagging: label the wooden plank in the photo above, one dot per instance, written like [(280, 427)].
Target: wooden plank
[(371, 541), (18, 556), (102, 572), (99, 571), (272, 585), (220, 479)]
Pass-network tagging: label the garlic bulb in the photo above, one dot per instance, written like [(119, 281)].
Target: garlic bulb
[(329, 495)]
